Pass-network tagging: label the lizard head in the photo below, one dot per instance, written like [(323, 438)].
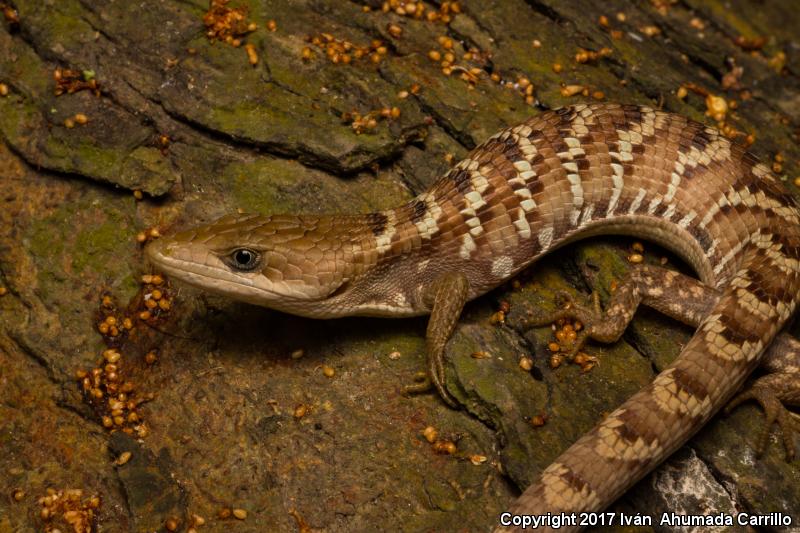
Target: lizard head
[(296, 264)]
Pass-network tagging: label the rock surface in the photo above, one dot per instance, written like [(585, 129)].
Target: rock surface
[(235, 421)]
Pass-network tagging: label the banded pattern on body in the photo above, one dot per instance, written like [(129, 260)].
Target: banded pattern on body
[(575, 172), (587, 170)]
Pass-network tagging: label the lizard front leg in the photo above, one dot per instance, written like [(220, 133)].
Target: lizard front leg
[(446, 296), (687, 300)]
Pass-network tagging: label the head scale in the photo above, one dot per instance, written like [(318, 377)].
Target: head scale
[(297, 264)]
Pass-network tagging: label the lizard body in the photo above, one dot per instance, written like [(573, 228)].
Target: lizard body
[(563, 175)]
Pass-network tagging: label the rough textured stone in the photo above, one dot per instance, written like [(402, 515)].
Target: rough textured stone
[(202, 132)]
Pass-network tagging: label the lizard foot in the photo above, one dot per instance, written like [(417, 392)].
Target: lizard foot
[(446, 296), (774, 411), (425, 384), (571, 310)]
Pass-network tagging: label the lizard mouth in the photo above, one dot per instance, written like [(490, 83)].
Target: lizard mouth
[(203, 269)]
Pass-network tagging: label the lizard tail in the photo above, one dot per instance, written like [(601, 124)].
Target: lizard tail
[(657, 420)]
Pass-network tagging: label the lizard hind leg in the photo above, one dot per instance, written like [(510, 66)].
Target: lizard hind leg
[(775, 390), (446, 296), (688, 300), (676, 295)]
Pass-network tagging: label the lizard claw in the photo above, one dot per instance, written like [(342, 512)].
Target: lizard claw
[(570, 310), (426, 384), (433, 379), (774, 411)]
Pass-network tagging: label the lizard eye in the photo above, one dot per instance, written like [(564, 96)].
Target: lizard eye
[(244, 259)]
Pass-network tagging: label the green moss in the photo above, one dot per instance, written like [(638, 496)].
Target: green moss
[(18, 116), (92, 247), (93, 159), (128, 286), (71, 151), (471, 371), (142, 168), (62, 22), (740, 19), (270, 185), (89, 233), (25, 68), (256, 186), (46, 236), (146, 169), (84, 243)]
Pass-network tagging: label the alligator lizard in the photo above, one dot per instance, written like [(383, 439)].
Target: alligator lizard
[(563, 175)]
